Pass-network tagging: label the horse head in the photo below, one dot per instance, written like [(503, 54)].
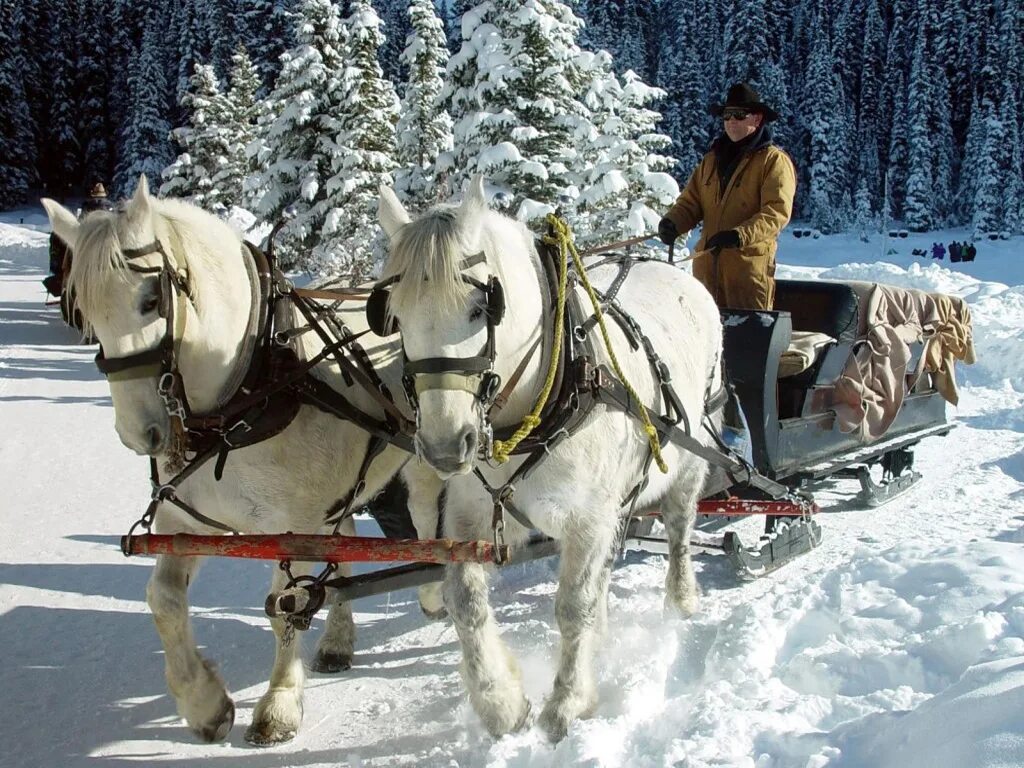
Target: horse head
[(160, 284), (445, 286)]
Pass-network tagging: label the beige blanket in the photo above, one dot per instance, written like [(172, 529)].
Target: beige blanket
[(804, 347), (870, 392)]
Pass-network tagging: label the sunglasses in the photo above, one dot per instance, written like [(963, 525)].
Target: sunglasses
[(735, 114)]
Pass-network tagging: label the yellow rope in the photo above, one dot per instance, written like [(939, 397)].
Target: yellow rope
[(503, 448), (562, 237)]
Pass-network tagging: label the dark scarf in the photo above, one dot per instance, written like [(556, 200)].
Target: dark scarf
[(729, 153)]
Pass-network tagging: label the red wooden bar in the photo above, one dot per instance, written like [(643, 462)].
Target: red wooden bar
[(740, 507), (316, 548)]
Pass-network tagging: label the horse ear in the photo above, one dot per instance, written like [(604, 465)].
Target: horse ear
[(476, 196), (391, 212), (62, 221), (138, 207)]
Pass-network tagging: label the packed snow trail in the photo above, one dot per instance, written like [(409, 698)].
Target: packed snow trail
[(896, 643)]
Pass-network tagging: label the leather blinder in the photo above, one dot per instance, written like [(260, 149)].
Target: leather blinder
[(377, 314), (495, 301)]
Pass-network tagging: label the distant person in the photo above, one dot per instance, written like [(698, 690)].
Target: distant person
[(954, 252), (938, 251), (743, 192), (60, 257), (97, 200), (970, 252)]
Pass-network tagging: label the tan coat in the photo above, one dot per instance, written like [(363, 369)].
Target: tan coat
[(757, 203)]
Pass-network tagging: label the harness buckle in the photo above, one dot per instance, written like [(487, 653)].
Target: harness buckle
[(240, 428), (164, 492)]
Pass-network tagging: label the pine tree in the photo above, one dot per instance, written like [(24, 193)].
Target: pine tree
[(395, 15), (55, 107), (425, 127), (683, 74), (299, 137), (868, 166), (365, 159), (523, 142), (145, 140), (16, 160), (920, 193), (481, 44), (624, 187), (94, 128), (242, 113), (204, 141), (268, 31), (825, 121)]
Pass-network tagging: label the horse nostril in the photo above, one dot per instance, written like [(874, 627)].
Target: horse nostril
[(469, 443), (155, 437)]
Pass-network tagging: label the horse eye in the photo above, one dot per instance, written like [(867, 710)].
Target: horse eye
[(150, 304), (476, 313)]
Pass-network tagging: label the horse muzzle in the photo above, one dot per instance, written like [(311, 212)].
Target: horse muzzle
[(451, 456)]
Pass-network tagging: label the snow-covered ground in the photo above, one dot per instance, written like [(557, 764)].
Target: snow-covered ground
[(898, 642)]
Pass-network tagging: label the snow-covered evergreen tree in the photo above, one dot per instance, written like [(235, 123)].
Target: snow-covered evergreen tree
[(365, 156), (268, 31), (625, 187), (394, 15), (145, 144), (94, 130), (521, 140), (893, 130), (425, 127), (825, 121), (298, 139), (919, 203), (684, 76), (204, 142), (242, 113), (17, 162)]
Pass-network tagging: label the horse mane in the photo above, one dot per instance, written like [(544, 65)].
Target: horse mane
[(431, 249), (192, 236)]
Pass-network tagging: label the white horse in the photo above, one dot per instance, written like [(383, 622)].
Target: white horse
[(285, 483), (576, 493)]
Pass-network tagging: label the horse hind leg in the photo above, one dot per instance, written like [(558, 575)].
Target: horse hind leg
[(580, 608), (198, 690), (679, 512), (278, 713), (489, 671)]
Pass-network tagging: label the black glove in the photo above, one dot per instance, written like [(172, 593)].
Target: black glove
[(727, 238), (667, 231)]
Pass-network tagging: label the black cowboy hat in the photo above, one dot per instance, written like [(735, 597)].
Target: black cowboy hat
[(742, 96)]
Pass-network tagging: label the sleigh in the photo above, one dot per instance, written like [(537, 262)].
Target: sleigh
[(801, 431)]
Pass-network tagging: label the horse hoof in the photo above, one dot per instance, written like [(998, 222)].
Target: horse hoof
[(331, 663), (221, 725), (266, 735), (439, 615)]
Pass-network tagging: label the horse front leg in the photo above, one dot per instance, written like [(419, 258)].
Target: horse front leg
[(489, 671), (198, 690), (580, 609), (425, 489), (337, 644), (278, 713)]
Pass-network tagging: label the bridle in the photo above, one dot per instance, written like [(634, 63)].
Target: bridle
[(473, 374), (161, 360)]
